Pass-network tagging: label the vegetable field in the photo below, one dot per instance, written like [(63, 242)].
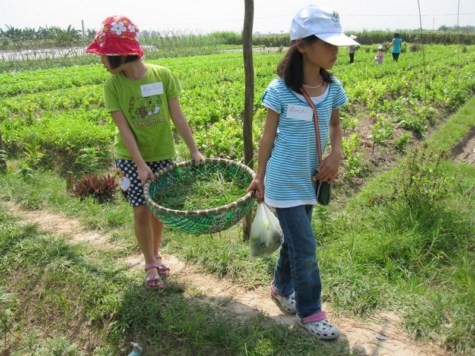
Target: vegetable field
[(55, 118)]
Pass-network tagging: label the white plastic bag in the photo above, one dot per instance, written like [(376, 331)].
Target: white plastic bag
[(266, 233)]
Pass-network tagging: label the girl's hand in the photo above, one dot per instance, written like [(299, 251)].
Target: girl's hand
[(258, 189), (328, 169), (145, 173), (197, 157)]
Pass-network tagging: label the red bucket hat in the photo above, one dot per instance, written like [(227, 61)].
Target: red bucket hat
[(117, 37)]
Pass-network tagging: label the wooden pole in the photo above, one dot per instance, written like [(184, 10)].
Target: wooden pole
[(3, 156), (248, 97), (69, 181)]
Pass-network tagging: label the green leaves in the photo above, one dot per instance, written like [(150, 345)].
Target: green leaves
[(62, 109)]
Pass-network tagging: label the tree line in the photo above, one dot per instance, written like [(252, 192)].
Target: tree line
[(12, 38)]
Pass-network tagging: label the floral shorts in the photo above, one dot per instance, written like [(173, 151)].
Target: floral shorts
[(135, 193)]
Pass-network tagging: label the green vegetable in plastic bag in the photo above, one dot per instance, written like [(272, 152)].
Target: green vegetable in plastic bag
[(266, 233)]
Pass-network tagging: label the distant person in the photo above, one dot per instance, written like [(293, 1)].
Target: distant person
[(143, 102), (396, 44), (352, 49), (380, 56), (288, 158)]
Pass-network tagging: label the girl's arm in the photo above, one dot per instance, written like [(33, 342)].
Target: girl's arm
[(144, 171), (328, 169), (184, 129), (266, 144)]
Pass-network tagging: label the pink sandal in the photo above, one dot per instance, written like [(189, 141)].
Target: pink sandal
[(150, 279), (163, 269)]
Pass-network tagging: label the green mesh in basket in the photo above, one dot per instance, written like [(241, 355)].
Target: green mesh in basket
[(181, 176)]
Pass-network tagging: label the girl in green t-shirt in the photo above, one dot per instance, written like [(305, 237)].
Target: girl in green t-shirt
[(143, 102)]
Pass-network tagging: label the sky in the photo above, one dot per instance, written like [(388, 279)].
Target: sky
[(204, 16)]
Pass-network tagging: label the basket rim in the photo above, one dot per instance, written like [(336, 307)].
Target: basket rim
[(203, 212)]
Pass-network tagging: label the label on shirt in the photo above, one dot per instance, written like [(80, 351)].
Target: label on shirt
[(152, 89), (299, 112)]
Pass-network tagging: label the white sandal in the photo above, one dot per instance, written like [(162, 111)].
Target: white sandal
[(321, 328), (287, 304)]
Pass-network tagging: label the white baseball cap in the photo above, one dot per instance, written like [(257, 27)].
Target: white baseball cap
[(321, 22)]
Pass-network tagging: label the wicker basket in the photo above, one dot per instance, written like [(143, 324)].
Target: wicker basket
[(207, 220)]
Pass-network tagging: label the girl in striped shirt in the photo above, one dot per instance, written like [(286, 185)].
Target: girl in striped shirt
[(288, 158)]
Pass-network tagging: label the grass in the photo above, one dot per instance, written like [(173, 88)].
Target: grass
[(201, 188), (71, 299), (408, 242)]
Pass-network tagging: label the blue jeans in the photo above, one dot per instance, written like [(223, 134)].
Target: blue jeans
[(297, 267)]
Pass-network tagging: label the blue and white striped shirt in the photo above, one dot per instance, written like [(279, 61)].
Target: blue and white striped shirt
[(294, 159)]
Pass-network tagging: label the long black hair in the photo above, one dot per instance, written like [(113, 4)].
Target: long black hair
[(116, 61), (290, 68)]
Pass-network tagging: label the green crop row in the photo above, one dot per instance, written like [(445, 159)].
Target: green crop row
[(59, 112)]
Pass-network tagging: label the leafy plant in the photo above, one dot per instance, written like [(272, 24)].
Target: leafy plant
[(352, 158), (413, 123), (33, 155), (6, 313), (402, 142), (382, 131), (415, 47), (423, 184), (92, 160), (100, 188), (25, 171), (349, 123)]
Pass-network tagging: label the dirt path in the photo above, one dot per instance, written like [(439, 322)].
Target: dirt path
[(464, 151), (381, 335)]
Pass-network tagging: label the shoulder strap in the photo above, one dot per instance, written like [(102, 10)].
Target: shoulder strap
[(315, 120)]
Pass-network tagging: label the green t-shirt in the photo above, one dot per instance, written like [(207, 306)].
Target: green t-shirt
[(144, 103)]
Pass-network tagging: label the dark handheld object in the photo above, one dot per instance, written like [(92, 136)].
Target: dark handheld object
[(323, 191)]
